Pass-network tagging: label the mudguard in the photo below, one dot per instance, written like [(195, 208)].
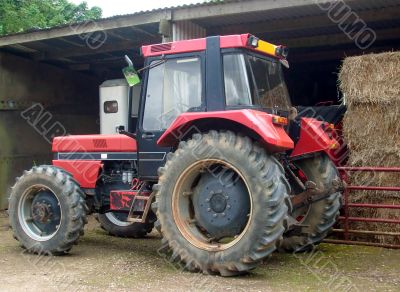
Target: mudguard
[(272, 136), (315, 136)]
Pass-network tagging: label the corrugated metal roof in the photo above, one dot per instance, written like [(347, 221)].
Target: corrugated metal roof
[(300, 11), (193, 5), (229, 19), (289, 21)]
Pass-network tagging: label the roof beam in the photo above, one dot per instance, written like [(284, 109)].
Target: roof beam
[(24, 49), (87, 27), (138, 29), (117, 35), (334, 39), (240, 7), (82, 44), (107, 47), (334, 54), (79, 67), (309, 22)]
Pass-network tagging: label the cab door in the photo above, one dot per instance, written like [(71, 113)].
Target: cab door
[(174, 86)]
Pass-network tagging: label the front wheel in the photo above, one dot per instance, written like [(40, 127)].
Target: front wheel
[(47, 210), (221, 203)]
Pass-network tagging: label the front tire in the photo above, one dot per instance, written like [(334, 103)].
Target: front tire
[(47, 210), (117, 225), (192, 207)]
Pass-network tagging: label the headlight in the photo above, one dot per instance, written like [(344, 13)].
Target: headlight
[(253, 41)]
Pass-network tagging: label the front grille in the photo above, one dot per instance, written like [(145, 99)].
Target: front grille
[(161, 48), (99, 143)]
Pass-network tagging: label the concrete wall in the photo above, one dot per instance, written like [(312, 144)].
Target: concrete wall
[(69, 99)]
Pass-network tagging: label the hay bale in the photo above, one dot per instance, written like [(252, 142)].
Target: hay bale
[(372, 78), (371, 127), (275, 98)]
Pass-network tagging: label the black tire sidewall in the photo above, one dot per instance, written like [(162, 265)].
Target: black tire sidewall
[(254, 183), (321, 215), (64, 192), (134, 230), (317, 209)]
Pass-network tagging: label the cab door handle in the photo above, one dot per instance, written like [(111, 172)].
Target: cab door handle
[(148, 136)]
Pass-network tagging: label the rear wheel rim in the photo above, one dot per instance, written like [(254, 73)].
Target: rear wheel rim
[(39, 213), (182, 210), (116, 220)]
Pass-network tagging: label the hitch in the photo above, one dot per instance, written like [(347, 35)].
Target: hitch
[(310, 195), (313, 193)]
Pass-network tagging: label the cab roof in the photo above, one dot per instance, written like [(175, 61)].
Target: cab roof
[(247, 41)]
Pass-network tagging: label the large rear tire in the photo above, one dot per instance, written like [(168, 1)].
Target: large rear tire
[(47, 210), (116, 225), (319, 217), (194, 208)]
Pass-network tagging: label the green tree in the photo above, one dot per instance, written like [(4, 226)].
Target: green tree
[(22, 15)]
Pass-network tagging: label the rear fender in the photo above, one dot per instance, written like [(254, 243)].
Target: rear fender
[(314, 137), (273, 137)]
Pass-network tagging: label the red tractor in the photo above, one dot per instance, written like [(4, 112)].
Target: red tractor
[(217, 160)]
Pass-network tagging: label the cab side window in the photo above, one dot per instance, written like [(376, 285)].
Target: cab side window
[(174, 87), (237, 90)]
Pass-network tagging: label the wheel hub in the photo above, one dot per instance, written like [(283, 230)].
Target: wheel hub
[(45, 212), (221, 207), (218, 202), (41, 212)]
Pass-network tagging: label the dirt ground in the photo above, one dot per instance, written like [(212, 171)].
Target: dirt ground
[(108, 263)]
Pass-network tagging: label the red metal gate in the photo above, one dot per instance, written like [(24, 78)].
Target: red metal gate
[(346, 218)]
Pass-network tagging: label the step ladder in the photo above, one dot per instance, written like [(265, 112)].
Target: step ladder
[(146, 200)]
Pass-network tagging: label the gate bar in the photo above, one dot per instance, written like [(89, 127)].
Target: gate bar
[(374, 220), (347, 205), (340, 241), (374, 206), (368, 232), (373, 188), (378, 169)]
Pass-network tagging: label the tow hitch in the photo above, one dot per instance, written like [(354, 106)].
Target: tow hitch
[(313, 194)]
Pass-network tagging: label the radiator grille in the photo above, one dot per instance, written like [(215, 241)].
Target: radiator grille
[(100, 143), (161, 48)]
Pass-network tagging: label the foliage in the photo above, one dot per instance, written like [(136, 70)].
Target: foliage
[(20, 15)]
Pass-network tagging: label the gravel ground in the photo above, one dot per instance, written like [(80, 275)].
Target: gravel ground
[(108, 263)]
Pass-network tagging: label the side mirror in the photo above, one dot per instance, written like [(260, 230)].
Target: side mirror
[(120, 129), (285, 63), (131, 75)]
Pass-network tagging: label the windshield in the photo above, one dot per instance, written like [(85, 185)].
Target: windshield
[(252, 80)]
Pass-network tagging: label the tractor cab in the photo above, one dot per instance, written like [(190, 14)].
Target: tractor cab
[(212, 74)]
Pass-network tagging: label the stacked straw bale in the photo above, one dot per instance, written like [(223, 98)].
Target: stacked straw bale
[(371, 127)]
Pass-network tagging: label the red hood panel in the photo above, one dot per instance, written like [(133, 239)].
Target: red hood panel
[(94, 143)]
